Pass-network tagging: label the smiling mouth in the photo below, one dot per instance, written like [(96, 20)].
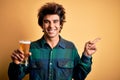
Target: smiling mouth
[(51, 30)]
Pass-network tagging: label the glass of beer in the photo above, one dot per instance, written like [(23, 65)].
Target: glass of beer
[(25, 46)]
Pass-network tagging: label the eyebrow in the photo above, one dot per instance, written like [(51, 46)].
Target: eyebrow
[(52, 20)]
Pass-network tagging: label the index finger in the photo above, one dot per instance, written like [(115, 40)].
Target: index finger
[(96, 40)]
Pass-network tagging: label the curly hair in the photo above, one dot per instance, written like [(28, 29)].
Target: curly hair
[(51, 8)]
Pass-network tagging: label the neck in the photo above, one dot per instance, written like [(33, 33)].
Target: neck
[(52, 41)]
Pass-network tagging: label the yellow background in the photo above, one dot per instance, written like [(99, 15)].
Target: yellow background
[(86, 20)]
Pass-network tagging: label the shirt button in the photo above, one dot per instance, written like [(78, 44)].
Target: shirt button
[(50, 63)]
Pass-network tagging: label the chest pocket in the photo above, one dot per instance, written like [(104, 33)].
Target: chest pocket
[(65, 64), (65, 69)]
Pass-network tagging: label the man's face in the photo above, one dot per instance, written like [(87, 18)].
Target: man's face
[(51, 25)]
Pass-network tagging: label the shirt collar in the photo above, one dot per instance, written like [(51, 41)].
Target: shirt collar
[(61, 42)]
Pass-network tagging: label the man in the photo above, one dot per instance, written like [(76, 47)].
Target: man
[(53, 58)]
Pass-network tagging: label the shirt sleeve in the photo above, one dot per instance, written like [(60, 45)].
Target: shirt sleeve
[(82, 66), (16, 72)]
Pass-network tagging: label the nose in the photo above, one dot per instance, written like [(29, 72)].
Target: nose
[(51, 24)]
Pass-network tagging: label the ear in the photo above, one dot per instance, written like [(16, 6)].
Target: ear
[(60, 28), (42, 28)]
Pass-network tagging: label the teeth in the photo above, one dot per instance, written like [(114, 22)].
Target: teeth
[(51, 30)]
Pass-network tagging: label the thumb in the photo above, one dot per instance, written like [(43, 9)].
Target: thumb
[(29, 54)]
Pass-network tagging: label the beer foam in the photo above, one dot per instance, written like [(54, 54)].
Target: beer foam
[(25, 42)]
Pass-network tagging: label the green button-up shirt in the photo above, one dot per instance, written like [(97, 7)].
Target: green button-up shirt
[(60, 63)]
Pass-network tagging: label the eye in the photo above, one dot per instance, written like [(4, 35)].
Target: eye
[(46, 21), (56, 21)]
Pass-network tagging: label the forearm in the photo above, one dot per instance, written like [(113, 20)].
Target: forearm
[(16, 72), (83, 68), (86, 62)]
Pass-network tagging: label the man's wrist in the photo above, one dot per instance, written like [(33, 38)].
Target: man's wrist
[(85, 53), (86, 59)]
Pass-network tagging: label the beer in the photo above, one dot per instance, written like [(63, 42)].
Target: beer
[(24, 46)]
